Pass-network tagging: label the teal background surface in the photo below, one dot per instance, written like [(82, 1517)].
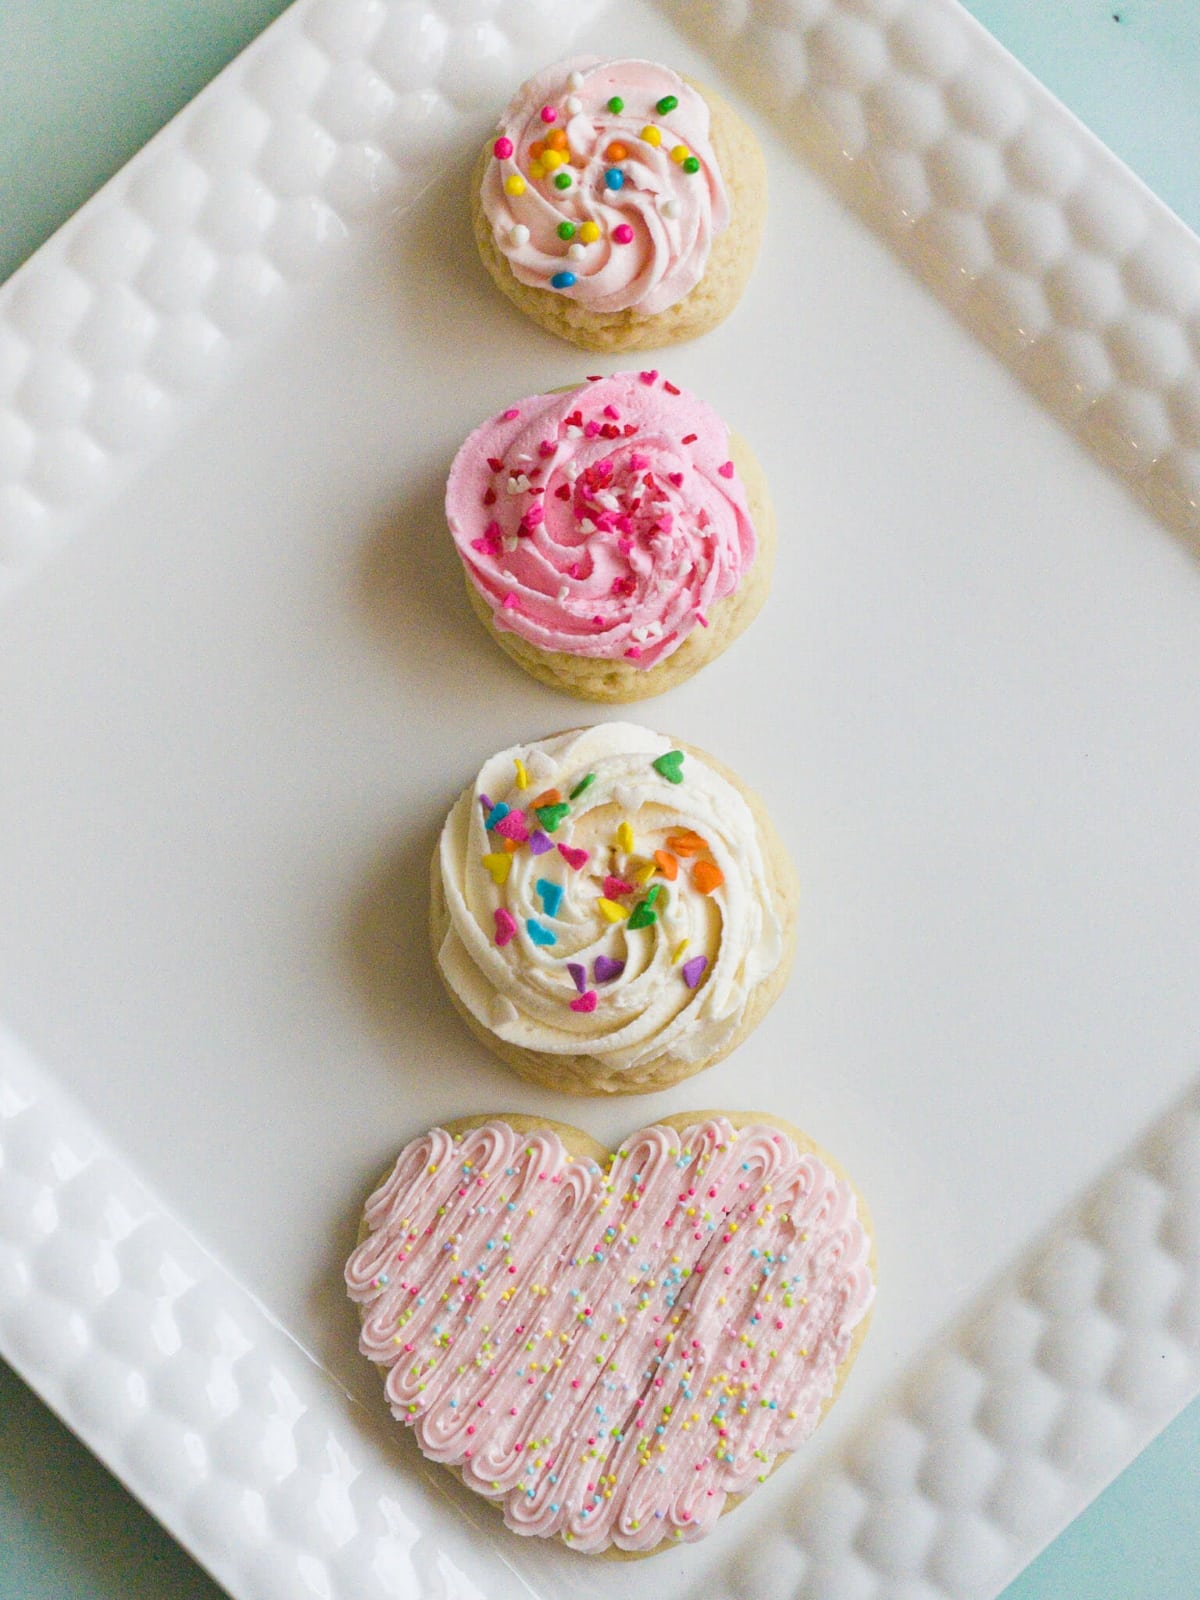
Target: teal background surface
[(83, 85)]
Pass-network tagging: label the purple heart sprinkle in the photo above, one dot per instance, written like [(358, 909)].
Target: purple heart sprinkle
[(540, 842), (606, 969), (579, 974), (485, 800), (693, 970)]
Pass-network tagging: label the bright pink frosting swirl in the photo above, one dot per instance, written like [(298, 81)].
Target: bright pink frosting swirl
[(611, 1351), (604, 522), (654, 231)]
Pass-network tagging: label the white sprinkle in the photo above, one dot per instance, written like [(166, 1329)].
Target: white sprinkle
[(576, 252), (524, 456), (563, 593), (586, 525), (573, 432), (640, 634), (518, 234), (572, 470), (509, 543), (575, 81), (608, 500), (627, 798), (574, 104), (669, 207)]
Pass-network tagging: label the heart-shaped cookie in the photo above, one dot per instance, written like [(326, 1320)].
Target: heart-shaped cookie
[(613, 1347)]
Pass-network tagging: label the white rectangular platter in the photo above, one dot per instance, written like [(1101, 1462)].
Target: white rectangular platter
[(240, 686)]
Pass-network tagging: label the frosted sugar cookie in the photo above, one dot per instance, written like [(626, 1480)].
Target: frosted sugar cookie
[(619, 205), (613, 1349), (614, 537), (610, 911)]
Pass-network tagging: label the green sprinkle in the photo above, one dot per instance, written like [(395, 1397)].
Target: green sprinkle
[(562, 180), (654, 893), (551, 816), (670, 766), (585, 782), (616, 105), (691, 164), (667, 103), (566, 230), (642, 916)]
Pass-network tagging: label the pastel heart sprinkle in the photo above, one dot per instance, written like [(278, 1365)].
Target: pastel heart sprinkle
[(538, 934), (586, 1002), (506, 925), (666, 864), (707, 876), (726, 469), (513, 827), (552, 817), (611, 910), (578, 975), (522, 773), (496, 815), (670, 766), (583, 785), (686, 844), (643, 916), (676, 478), (650, 376), (540, 842), (693, 970), (614, 888), (625, 838), (572, 856), (550, 894), (499, 866), (605, 969)]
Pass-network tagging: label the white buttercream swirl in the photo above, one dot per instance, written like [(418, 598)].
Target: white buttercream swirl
[(688, 971)]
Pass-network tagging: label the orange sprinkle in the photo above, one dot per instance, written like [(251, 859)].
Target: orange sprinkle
[(556, 139), (687, 844), (550, 798), (707, 876), (537, 150), (616, 151), (667, 864), (512, 846)]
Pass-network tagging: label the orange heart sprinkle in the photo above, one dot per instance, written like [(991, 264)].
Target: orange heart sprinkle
[(512, 846), (550, 798), (707, 876), (687, 844), (667, 864)]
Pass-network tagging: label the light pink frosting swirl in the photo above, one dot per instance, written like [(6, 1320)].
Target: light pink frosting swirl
[(611, 1351), (604, 522), (654, 232)]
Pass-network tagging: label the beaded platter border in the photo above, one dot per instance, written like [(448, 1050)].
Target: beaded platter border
[(129, 320)]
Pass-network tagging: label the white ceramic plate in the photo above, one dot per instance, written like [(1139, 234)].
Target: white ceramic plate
[(239, 686)]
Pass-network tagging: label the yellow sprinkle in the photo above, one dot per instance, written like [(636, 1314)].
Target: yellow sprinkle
[(610, 908), (625, 837), (552, 159), (589, 232), (499, 866), (644, 874), (677, 956), (514, 184), (680, 153), (537, 169), (522, 774), (652, 135)]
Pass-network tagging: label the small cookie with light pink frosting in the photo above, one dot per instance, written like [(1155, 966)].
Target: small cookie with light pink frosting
[(614, 537), (619, 205), (613, 1349)]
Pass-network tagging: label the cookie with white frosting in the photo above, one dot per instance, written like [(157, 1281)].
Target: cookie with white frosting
[(611, 911), (613, 1348), (615, 536), (619, 205)]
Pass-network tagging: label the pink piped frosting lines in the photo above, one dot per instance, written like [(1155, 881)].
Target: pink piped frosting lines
[(611, 1351), (605, 522)]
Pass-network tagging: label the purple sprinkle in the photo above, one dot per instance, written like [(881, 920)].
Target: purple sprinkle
[(606, 969), (579, 974), (540, 842), (485, 800), (693, 970)]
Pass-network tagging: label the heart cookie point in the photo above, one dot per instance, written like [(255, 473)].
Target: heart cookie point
[(665, 1321)]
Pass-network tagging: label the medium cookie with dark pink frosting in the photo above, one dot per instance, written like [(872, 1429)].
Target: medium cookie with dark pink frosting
[(619, 205), (613, 1348), (614, 537)]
